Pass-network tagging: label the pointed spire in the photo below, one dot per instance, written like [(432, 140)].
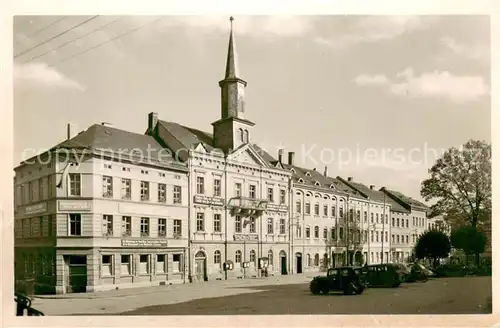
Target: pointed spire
[(232, 57)]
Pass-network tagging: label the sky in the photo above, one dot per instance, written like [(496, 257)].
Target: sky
[(377, 98)]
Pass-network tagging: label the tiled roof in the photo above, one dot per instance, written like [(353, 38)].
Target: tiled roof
[(410, 201), (179, 137), (395, 206), (372, 194), (108, 139)]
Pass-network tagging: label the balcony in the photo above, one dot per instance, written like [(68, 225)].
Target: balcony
[(247, 206)]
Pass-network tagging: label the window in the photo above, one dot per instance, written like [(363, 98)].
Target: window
[(282, 226), (251, 191), (143, 264), (308, 232), (282, 196), (200, 185), (107, 186), (31, 192), (176, 262), (162, 227), (177, 228), (177, 195), (316, 259), (144, 190), (407, 239), (392, 238), (252, 256), (372, 236), (341, 212), (387, 219), (74, 184), (49, 188), (366, 236), (316, 209), (200, 222), (299, 232), (217, 257), (107, 265), (325, 210), (160, 263), (358, 216), (270, 194), (386, 236), (376, 216), (237, 224), (270, 226), (237, 257), (407, 223), (40, 189), (252, 225), (351, 215), (397, 239), (333, 233), (316, 232), (341, 233), (242, 138), (298, 206), (162, 192), (144, 227), (246, 136), (308, 208), (126, 226), (325, 233), (40, 224), (371, 217), (237, 189), (365, 217), (107, 225), (217, 188), (126, 188), (217, 222), (270, 257), (333, 211), (376, 236), (393, 221), (75, 224)]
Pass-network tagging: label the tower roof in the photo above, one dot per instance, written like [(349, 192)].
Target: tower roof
[(232, 70)]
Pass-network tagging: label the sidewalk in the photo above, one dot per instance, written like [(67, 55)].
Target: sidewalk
[(161, 289)]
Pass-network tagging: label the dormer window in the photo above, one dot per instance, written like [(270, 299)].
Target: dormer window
[(308, 174), (301, 180), (292, 169), (332, 186), (316, 184)]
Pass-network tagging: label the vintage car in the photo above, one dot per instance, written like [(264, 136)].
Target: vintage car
[(23, 306), (384, 275), (349, 280), (418, 272)]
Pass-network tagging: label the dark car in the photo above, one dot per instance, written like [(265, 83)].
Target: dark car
[(383, 275), (349, 280), (418, 272)]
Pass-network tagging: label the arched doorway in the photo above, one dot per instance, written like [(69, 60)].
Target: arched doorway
[(358, 258), (200, 267), (298, 262), (283, 263)]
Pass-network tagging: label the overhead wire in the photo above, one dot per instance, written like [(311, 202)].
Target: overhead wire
[(47, 26), (104, 43), (56, 36), (73, 40)]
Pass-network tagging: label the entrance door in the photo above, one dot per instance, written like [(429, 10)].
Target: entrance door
[(200, 267), (299, 263), (77, 274), (283, 263)]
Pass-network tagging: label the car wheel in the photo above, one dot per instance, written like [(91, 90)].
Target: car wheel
[(325, 290), (314, 287), (348, 290)]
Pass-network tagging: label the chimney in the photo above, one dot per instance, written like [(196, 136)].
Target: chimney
[(291, 156), (326, 171), (372, 187), (280, 155), (152, 121), (314, 169), (349, 179), (68, 131)]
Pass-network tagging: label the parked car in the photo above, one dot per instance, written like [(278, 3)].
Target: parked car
[(384, 275), (350, 280), (418, 272), (403, 270)]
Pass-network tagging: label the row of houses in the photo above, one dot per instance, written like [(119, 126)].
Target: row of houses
[(109, 208)]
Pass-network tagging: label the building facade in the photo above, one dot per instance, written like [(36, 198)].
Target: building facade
[(90, 216)]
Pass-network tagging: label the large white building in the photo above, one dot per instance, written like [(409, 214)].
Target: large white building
[(111, 209)]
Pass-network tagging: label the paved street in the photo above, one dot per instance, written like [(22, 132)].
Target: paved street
[(283, 295)]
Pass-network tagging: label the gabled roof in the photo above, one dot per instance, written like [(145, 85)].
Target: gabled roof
[(112, 141), (373, 194), (411, 202)]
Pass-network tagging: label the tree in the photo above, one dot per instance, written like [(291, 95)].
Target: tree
[(469, 239), (460, 182), (432, 244)]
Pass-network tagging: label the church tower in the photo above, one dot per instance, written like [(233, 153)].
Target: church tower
[(232, 130)]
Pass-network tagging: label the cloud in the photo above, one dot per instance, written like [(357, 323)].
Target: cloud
[(41, 74), (376, 28), (434, 84), (256, 26), (477, 51)]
